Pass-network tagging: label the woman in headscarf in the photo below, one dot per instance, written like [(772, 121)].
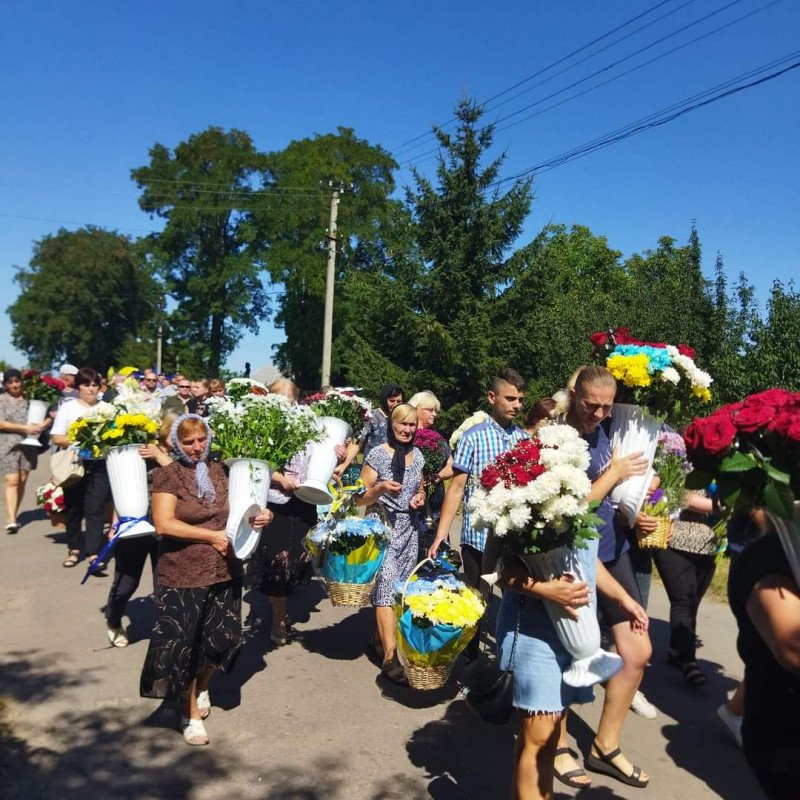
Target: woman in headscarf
[(374, 431), (199, 589), (16, 460), (392, 474)]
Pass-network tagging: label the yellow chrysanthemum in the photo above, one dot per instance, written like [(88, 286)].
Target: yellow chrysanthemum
[(113, 433), (631, 370), (701, 392)]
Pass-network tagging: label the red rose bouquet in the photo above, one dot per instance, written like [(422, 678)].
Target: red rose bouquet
[(752, 450), (36, 386)]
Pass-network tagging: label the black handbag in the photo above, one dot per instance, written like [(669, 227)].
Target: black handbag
[(489, 690)]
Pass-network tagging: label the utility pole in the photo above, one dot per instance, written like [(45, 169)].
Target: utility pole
[(327, 328), (160, 334)]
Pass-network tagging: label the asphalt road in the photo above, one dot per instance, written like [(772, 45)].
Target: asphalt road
[(310, 721)]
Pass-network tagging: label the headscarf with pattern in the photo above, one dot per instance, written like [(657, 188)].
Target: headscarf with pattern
[(204, 486)]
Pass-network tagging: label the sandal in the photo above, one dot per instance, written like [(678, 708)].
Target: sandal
[(204, 704), (692, 673), (375, 647), (568, 778), (72, 559), (12, 527), (393, 670), (101, 565), (117, 637), (194, 732), (602, 763)]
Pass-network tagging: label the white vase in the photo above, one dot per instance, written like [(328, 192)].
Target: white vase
[(789, 533), (248, 484), (322, 462), (633, 430), (37, 411), (581, 638), (127, 475)]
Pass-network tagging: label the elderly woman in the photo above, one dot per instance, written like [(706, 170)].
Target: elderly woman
[(428, 406), (199, 588), (90, 496), (16, 460), (392, 474)]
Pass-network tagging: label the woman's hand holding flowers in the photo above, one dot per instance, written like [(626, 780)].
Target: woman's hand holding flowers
[(645, 525)]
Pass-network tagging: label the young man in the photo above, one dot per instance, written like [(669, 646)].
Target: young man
[(477, 448)]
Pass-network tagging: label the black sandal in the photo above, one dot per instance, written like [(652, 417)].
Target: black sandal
[(692, 673), (602, 763), (568, 778), (393, 671)]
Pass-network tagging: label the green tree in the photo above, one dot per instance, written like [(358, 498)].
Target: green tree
[(296, 225), (210, 251), (777, 341), (84, 293), (465, 228)]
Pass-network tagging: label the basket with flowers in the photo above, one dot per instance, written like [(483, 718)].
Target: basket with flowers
[(534, 498), (347, 554), (437, 615), (751, 449), (666, 502)]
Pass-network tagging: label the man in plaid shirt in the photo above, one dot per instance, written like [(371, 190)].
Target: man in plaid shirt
[(477, 448)]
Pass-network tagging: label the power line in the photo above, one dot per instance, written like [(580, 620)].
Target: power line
[(656, 120), (544, 69), (424, 156)]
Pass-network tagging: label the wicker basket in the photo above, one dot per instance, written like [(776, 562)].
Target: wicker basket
[(658, 539), (427, 677), (355, 595)]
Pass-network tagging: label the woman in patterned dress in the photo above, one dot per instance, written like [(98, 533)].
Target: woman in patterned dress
[(392, 474)]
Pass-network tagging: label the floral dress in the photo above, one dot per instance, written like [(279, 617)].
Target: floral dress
[(401, 557), (13, 456)]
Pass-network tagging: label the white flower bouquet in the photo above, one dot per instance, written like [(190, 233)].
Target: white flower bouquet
[(534, 497), (469, 422)]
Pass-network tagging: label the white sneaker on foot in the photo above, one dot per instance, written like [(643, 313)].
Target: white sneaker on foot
[(643, 707), (732, 723)]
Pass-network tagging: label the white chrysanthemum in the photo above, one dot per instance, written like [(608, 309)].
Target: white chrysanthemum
[(520, 516), (670, 375)]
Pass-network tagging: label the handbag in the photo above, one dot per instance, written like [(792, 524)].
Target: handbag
[(489, 690), (66, 468)]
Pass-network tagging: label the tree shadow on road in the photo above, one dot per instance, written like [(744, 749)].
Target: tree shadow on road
[(345, 640), (32, 676)]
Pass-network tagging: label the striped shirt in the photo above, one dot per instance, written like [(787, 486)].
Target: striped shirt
[(477, 448)]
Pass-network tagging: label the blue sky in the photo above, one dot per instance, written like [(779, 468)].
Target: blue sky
[(89, 87)]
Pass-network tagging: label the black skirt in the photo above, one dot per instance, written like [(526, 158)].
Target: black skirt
[(195, 629)]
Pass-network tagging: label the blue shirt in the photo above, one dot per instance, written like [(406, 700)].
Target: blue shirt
[(613, 542), (475, 450)]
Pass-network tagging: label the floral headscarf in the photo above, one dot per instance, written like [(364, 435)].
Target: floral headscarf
[(204, 486)]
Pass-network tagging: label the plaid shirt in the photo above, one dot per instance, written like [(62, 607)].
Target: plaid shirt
[(477, 448)]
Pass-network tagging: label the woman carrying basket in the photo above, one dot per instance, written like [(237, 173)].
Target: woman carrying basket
[(392, 474)]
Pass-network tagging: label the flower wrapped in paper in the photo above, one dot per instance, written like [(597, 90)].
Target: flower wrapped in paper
[(533, 497), (436, 619), (348, 553)]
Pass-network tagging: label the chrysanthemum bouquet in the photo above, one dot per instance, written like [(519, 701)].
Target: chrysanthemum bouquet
[(262, 427), (469, 422), (132, 417), (237, 388), (660, 377), (349, 551), (347, 406), (36, 386), (535, 495), (434, 452), (436, 619)]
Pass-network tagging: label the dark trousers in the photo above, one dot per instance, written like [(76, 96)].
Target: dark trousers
[(686, 578), (87, 498), (472, 559), (130, 556)]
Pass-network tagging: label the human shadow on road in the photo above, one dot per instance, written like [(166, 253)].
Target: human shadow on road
[(33, 515)]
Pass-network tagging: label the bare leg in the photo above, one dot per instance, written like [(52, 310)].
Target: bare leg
[(533, 757), (278, 615), (635, 651), (23, 480), (736, 703), (189, 706), (12, 495), (203, 680), (384, 616)]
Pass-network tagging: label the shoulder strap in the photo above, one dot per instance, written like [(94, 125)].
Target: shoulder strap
[(520, 612)]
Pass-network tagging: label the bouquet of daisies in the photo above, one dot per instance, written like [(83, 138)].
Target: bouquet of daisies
[(436, 619), (347, 554), (534, 498), (237, 388)]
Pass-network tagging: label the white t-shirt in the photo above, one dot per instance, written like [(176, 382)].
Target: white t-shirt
[(68, 413)]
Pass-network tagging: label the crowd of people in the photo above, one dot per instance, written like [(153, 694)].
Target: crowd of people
[(198, 581)]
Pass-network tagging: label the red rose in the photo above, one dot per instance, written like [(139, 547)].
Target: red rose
[(776, 398), (787, 425), (693, 436), (622, 336), (520, 476), (731, 408), (685, 350), (718, 434), (752, 418), (29, 373), (59, 501), (598, 339)]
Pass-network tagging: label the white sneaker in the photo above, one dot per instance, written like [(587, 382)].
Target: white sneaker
[(643, 707), (731, 722)]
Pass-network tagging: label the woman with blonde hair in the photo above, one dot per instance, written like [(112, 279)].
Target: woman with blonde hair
[(392, 474)]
